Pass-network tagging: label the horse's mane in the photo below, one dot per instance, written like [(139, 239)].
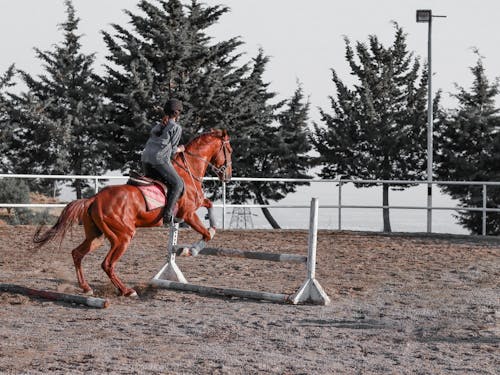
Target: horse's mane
[(219, 133)]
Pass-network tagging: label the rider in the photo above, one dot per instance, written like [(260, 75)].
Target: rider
[(157, 155)]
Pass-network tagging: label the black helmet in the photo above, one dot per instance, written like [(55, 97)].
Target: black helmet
[(172, 106)]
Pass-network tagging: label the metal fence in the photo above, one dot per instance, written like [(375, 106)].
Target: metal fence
[(339, 183)]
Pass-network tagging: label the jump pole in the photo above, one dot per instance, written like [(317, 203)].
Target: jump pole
[(170, 276), (222, 292), (233, 253), (55, 296)]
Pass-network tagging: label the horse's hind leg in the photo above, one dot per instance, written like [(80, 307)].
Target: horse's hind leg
[(118, 246), (78, 253), (93, 240)]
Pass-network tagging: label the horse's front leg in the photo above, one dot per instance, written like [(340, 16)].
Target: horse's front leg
[(207, 234), (210, 208)]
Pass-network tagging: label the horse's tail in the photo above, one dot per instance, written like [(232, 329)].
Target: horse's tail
[(72, 213)]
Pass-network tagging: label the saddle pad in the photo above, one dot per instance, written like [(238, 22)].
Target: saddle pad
[(153, 195)]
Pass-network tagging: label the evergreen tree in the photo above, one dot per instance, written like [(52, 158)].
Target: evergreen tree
[(60, 116), (5, 121), (268, 144), (291, 156), (13, 190), (167, 54), (469, 149), (378, 127)]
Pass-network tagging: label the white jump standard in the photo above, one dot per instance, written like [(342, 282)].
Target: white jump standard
[(171, 277)]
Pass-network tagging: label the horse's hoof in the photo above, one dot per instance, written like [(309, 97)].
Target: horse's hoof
[(185, 252), (89, 292), (132, 294)]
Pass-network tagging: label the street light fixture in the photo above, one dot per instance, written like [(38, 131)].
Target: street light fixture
[(425, 16)]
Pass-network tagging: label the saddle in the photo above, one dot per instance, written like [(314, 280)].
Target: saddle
[(154, 191)]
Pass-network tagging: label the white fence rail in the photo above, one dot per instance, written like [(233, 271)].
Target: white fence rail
[(339, 182)]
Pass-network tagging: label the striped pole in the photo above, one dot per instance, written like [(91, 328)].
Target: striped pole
[(55, 296)]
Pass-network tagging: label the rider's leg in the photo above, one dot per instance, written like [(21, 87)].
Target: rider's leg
[(150, 171), (175, 186)]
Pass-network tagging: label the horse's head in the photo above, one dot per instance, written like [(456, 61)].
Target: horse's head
[(221, 159), (213, 149)]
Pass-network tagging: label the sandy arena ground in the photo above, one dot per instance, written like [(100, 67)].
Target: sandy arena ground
[(400, 305)]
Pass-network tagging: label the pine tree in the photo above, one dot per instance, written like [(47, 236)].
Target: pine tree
[(270, 141), (377, 129), (252, 133), (469, 149), (167, 54), (288, 156), (292, 160), (256, 140), (5, 122), (60, 116)]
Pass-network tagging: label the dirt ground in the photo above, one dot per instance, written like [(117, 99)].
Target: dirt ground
[(400, 304)]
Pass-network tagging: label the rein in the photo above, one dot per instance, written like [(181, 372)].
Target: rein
[(186, 167), (193, 177), (215, 169)]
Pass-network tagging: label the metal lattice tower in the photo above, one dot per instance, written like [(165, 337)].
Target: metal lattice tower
[(241, 217)]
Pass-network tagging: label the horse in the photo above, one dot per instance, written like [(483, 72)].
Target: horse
[(117, 211)]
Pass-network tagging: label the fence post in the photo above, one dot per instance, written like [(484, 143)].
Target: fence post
[(429, 205), (223, 205), (484, 210), (340, 205)]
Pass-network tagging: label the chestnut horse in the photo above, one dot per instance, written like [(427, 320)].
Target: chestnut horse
[(116, 211)]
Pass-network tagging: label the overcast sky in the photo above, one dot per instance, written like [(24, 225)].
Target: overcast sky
[(303, 38)]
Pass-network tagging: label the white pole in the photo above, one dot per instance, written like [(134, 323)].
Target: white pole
[(340, 205), (485, 196), (313, 239), (311, 290), (223, 205), (429, 130), (174, 235), (170, 270)]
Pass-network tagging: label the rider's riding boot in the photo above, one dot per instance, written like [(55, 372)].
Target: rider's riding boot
[(168, 219)]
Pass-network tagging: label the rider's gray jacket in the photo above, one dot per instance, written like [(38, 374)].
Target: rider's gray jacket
[(162, 143)]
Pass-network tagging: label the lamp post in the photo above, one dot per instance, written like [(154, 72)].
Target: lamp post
[(425, 16)]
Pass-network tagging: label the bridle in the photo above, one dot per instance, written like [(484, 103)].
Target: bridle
[(219, 171)]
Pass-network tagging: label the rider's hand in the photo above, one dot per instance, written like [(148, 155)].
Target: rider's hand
[(181, 148)]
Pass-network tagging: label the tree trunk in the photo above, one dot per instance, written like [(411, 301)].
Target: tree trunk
[(385, 211), (274, 224), (270, 218), (78, 188)]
